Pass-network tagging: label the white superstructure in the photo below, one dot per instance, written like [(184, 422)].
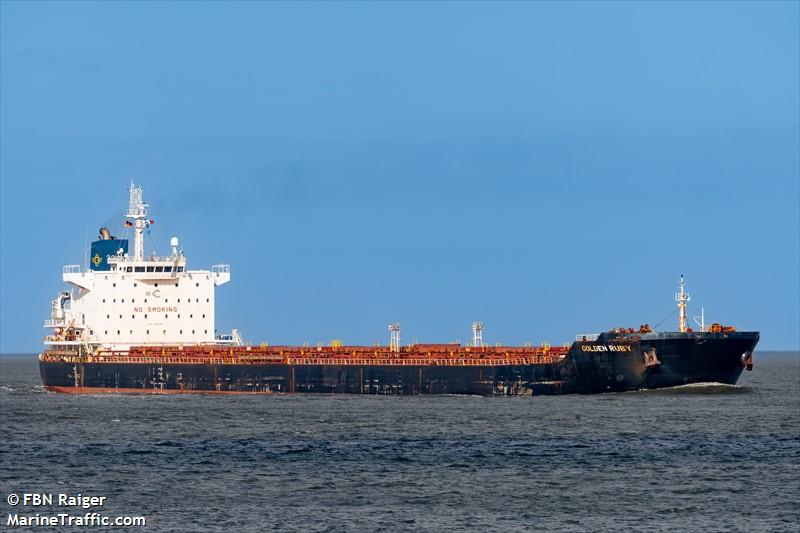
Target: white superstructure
[(139, 300)]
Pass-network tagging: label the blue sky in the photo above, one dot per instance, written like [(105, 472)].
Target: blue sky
[(547, 168)]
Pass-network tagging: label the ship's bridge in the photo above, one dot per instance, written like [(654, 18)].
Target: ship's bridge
[(127, 299)]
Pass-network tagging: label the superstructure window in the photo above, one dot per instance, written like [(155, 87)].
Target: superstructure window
[(159, 269), (108, 316), (104, 300), (135, 285), (117, 332), (168, 269), (133, 316), (180, 331), (120, 316), (145, 316), (138, 269), (196, 284), (151, 269), (156, 284), (204, 316), (113, 284), (129, 269), (166, 316), (147, 331)]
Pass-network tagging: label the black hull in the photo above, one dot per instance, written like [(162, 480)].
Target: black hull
[(613, 362)]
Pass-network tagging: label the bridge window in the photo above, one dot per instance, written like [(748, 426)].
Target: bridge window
[(179, 269), (159, 269), (151, 269), (168, 269), (138, 269)]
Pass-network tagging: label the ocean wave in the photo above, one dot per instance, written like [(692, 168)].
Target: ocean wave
[(709, 387)]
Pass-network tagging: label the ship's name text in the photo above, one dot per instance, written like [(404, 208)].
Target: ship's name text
[(606, 348)]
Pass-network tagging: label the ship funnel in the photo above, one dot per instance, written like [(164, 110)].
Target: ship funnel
[(105, 235)]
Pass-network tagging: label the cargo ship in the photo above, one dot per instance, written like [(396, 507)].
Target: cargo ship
[(137, 323)]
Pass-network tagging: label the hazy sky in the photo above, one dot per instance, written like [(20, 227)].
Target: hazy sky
[(547, 168)]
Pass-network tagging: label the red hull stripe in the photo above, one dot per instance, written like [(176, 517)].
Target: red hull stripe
[(109, 390)]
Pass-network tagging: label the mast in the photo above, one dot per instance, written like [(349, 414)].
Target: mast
[(682, 298), (137, 211)]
